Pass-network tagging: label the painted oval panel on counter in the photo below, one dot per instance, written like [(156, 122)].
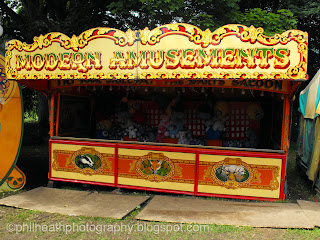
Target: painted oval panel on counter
[(11, 127)]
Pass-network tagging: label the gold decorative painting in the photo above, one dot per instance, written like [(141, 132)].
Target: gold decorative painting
[(231, 52)]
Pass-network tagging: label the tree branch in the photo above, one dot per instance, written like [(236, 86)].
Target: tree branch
[(10, 12)]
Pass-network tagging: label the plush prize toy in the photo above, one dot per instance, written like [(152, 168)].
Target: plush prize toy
[(183, 138), (172, 131), (177, 119), (133, 109), (214, 128), (221, 110), (162, 128), (205, 111), (125, 124), (132, 131), (122, 117), (102, 134), (209, 130), (175, 105), (218, 125), (215, 125), (116, 133), (175, 125), (133, 106), (103, 125), (255, 112), (136, 111), (169, 108), (252, 138), (102, 129)]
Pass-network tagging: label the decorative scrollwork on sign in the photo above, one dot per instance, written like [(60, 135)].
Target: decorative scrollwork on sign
[(87, 161), (167, 75), (253, 34), (7, 87), (250, 34), (75, 43), (151, 37), (300, 70), (194, 34), (232, 173), (24, 65), (156, 167), (274, 185), (205, 38), (292, 74)]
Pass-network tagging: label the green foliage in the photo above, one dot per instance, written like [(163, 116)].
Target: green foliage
[(32, 17), (28, 18), (164, 6), (303, 8), (30, 102), (306, 14), (213, 14), (272, 23), (305, 233)]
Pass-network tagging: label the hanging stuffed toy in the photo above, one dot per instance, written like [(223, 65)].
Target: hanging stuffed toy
[(103, 125), (215, 125), (162, 128), (136, 111), (205, 110), (255, 111), (184, 138), (172, 131), (133, 106), (177, 119), (132, 131), (209, 129), (252, 138), (175, 112), (221, 110), (102, 129)]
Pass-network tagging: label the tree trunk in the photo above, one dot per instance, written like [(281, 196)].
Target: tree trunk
[(43, 114)]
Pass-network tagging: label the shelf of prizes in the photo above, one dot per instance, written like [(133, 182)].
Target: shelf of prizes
[(175, 109)]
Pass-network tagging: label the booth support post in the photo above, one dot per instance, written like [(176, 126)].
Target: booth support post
[(285, 123), (52, 98)]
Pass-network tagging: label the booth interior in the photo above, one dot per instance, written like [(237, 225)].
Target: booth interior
[(205, 116)]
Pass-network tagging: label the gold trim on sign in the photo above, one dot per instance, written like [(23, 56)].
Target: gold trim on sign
[(147, 167), (105, 164), (231, 180), (152, 37)]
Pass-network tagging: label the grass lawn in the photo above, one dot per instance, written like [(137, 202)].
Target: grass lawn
[(25, 224)]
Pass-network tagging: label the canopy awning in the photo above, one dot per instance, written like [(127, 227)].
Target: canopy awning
[(310, 97)]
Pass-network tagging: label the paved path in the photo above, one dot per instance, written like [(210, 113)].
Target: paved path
[(75, 203), (303, 214)]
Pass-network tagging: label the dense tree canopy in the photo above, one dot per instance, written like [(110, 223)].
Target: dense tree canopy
[(24, 19), (307, 16)]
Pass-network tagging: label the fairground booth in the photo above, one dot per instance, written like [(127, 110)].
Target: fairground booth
[(174, 109)]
